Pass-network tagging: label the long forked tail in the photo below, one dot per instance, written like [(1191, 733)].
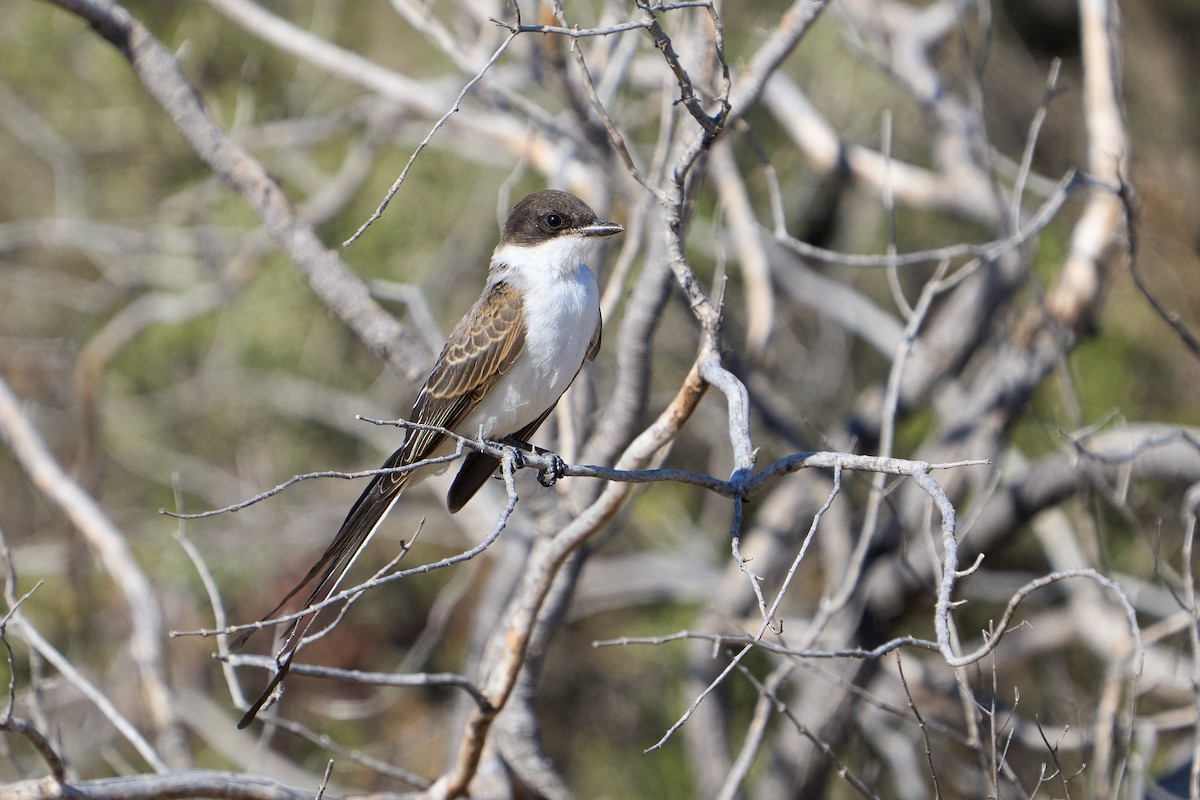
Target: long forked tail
[(359, 526)]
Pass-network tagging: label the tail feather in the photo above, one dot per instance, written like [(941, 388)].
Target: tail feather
[(359, 526)]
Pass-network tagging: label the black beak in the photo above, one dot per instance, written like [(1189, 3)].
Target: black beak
[(600, 229)]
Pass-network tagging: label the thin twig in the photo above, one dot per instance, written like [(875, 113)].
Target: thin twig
[(843, 769), (213, 592), (325, 780), (1035, 128), (762, 644), (355, 591), (416, 679), (743, 483), (89, 690), (9, 722), (395, 187), (112, 549), (912, 704), (712, 124), (1172, 318), (987, 251)]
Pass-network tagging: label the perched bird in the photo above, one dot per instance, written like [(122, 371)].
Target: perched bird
[(500, 374)]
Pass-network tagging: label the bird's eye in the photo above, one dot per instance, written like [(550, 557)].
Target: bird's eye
[(554, 221)]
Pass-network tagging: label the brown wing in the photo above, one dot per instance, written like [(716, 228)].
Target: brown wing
[(478, 467), (480, 349)]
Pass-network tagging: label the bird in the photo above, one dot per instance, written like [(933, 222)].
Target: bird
[(500, 374)]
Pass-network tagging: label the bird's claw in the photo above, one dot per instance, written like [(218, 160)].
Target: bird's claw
[(558, 468), (546, 477)]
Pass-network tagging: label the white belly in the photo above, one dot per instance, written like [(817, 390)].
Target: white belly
[(561, 314)]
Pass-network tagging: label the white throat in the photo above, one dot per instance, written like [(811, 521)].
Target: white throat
[(561, 256)]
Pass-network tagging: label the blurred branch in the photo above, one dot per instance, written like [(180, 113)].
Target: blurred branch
[(837, 301), (281, 33), (36, 133), (960, 192), (415, 679), (329, 745), (1136, 452), (1172, 318), (191, 783), (1045, 214), (905, 39), (119, 331), (1075, 297), (19, 625), (332, 280), (395, 187), (111, 548), (494, 126), (752, 80), (9, 722), (748, 247)]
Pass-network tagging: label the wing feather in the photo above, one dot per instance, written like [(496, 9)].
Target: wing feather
[(480, 350)]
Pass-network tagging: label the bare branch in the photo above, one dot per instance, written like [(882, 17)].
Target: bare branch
[(111, 548), (94, 695), (169, 786), (370, 678)]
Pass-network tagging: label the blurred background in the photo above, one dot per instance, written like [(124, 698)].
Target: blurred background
[(170, 355)]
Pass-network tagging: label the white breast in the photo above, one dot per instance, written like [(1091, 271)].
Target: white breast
[(562, 310)]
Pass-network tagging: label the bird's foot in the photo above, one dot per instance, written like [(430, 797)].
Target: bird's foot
[(546, 477), (518, 456), (558, 468)]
